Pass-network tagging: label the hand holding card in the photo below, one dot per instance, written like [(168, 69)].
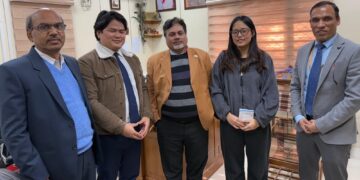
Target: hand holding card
[(246, 115)]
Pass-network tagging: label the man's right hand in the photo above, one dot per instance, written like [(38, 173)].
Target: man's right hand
[(303, 123), (130, 132), (234, 121)]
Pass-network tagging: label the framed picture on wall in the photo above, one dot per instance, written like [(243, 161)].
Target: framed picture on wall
[(115, 4), (165, 5), (191, 4)]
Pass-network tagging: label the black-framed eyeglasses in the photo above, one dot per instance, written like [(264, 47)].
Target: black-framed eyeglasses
[(242, 31), (44, 27)]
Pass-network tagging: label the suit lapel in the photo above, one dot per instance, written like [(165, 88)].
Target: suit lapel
[(194, 66), (47, 78), (165, 66), (333, 55), (305, 57)]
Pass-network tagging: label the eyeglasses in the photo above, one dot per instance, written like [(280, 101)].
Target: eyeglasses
[(242, 31), (44, 27)]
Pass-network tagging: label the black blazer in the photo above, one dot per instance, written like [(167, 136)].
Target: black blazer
[(35, 123)]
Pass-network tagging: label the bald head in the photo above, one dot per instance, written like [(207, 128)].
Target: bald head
[(46, 29), (31, 17)]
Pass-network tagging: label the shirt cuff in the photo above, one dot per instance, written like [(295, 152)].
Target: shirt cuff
[(298, 118)]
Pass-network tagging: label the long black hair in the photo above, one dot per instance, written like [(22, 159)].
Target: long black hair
[(233, 54)]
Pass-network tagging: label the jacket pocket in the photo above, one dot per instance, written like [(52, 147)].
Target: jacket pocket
[(107, 82)]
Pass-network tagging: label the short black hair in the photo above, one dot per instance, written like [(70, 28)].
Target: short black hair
[(105, 17), (324, 3), (171, 22)]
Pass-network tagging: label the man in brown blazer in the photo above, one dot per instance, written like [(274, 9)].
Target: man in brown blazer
[(118, 96), (178, 81)]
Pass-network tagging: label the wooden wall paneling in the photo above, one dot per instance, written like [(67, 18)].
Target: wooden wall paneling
[(20, 9)]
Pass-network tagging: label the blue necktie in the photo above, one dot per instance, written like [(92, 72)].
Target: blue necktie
[(313, 80), (133, 109)]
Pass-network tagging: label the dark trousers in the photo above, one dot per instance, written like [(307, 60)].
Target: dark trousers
[(86, 166), (173, 138), (257, 143), (121, 157), (334, 157)]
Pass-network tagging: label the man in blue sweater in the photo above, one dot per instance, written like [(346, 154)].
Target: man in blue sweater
[(45, 118)]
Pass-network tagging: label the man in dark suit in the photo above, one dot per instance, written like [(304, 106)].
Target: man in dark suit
[(325, 96), (45, 118)]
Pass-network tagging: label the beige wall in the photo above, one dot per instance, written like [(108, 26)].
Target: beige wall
[(196, 20), (349, 19), (7, 48), (350, 28)]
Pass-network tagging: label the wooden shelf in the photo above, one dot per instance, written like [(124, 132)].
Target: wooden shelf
[(152, 21), (152, 35)]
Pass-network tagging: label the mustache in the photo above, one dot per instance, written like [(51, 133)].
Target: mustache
[(321, 31), (51, 39)]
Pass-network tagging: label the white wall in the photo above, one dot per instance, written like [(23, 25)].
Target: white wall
[(7, 47), (196, 20), (349, 19)]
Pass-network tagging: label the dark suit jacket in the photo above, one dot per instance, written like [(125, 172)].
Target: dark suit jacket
[(35, 123)]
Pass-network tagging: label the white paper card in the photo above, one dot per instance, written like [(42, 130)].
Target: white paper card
[(246, 114)]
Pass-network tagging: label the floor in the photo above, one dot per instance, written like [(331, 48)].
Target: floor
[(353, 170)]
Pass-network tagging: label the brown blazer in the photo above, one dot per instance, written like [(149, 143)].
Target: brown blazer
[(159, 83), (106, 91)]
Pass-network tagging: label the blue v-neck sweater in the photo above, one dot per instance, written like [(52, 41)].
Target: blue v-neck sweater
[(71, 94)]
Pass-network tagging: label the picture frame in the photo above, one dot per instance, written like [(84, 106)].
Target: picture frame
[(165, 5), (192, 4), (115, 4)]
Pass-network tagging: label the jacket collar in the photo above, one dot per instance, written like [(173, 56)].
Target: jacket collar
[(105, 52)]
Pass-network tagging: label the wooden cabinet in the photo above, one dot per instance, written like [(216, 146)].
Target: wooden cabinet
[(151, 168)]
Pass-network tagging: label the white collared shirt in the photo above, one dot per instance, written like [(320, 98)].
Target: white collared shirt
[(105, 52), (51, 60)]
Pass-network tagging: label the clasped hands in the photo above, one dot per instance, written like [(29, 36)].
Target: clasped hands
[(131, 132), (309, 126), (237, 124)]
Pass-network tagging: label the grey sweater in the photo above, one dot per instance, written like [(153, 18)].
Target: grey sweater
[(232, 90)]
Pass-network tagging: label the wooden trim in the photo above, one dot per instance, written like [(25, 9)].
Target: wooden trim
[(217, 2), (213, 167), (57, 2)]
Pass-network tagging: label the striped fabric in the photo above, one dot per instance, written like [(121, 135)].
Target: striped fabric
[(181, 105)]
